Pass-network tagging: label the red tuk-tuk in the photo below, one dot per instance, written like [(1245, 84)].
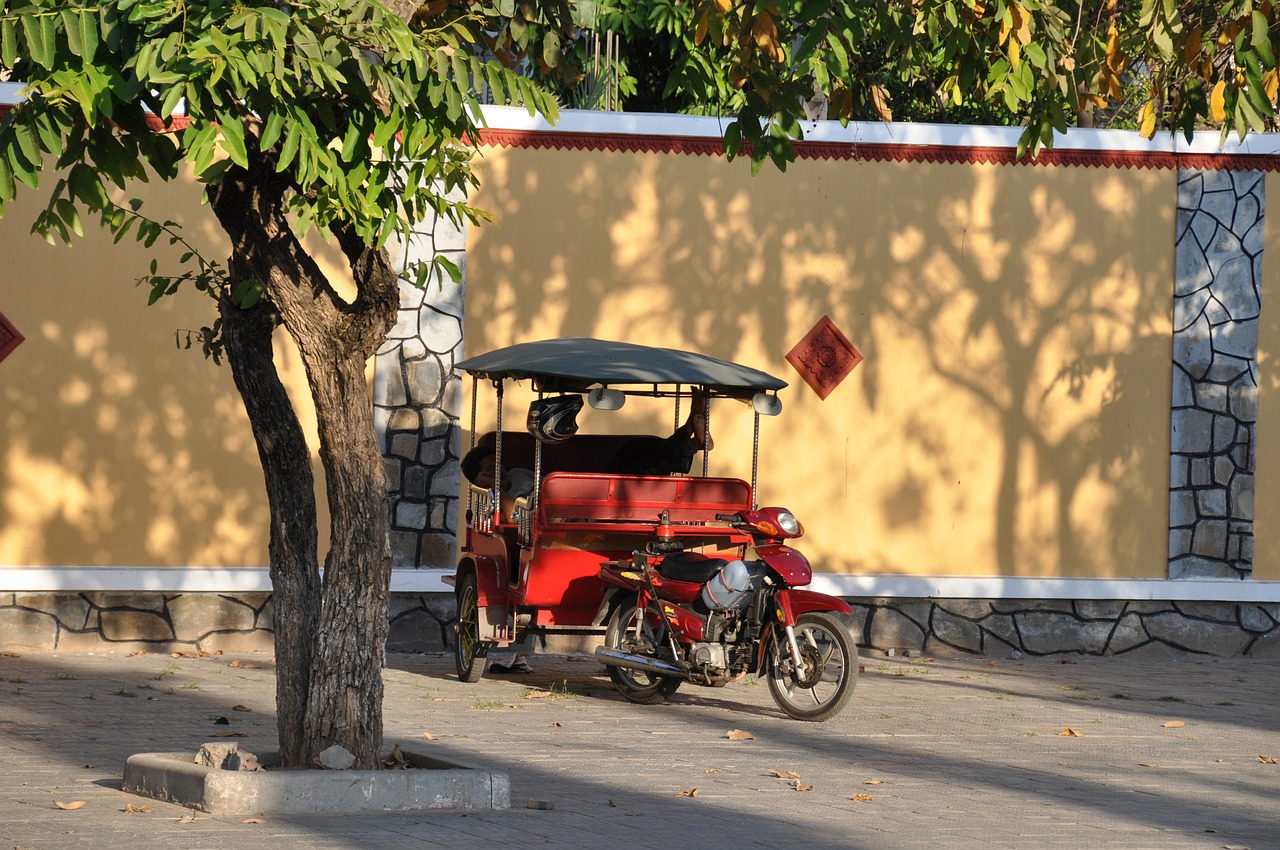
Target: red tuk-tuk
[(684, 577)]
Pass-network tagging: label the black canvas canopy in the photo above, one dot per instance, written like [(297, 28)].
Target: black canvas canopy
[(575, 363)]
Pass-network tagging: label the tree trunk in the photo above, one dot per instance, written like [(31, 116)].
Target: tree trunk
[(286, 467), (343, 703)]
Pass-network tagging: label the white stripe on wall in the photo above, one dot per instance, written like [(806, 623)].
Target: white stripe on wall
[(257, 580)]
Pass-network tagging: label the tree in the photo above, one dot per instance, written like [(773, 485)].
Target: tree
[(1153, 64), (340, 115)]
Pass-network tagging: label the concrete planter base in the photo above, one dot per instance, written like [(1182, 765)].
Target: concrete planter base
[(430, 784)]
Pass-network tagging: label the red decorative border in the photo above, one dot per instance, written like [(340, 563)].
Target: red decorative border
[(703, 146), (177, 123), (960, 155)]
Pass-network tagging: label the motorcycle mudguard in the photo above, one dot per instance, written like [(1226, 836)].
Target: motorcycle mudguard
[(492, 597), (793, 602), (490, 587), (786, 562)]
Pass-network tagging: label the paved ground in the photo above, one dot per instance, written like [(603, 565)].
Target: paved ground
[(931, 754)]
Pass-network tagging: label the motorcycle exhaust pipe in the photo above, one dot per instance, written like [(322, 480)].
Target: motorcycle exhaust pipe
[(614, 658)]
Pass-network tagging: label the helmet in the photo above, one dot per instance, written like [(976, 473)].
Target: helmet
[(554, 420)]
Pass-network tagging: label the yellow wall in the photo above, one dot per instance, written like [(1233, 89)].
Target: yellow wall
[(118, 448), (1012, 414), (1266, 524)]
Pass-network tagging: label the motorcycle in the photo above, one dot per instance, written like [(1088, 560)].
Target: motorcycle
[(708, 620)]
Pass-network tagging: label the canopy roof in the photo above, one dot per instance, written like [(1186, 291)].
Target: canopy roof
[(575, 363)]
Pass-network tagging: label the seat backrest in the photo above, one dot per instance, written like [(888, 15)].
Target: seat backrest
[(579, 453), (578, 497)]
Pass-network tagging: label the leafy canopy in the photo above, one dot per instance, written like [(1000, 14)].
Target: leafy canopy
[(1181, 65)]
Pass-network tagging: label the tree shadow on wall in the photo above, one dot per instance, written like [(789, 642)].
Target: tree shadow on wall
[(1033, 301), (120, 448)]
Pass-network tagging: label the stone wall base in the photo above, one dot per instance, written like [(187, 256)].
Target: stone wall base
[(994, 627), (423, 622)]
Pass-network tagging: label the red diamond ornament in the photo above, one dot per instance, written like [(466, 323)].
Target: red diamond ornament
[(9, 337), (824, 357)]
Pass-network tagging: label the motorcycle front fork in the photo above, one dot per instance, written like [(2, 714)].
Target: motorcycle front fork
[(793, 647)]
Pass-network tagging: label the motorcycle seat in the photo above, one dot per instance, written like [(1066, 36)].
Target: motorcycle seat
[(690, 566)]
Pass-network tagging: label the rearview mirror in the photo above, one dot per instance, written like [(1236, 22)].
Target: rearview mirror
[(603, 398), (766, 404)]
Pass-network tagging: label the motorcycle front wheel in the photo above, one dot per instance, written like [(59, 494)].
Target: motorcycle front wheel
[(823, 683), (634, 630)]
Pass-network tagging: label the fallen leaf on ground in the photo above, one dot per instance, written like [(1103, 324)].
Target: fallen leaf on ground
[(739, 735), (556, 725), (538, 695), (991, 664), (795, 783), (713, 770), (1174, 724), (428, 736), (229, 734), (1268, 760), (1236, 847), (784, 774), (8, 653), (187, 819), (692, 792), (253, 820), (1071, 733), (138, 652), (132, 809), (862, 798), (1146, 764), (70, 807), (874, 782), (241, 708)]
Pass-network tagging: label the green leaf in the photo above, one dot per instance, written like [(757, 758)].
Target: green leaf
[(7, 187), (170, 102), (28, 143), (71, 23), (40, 51), (271, 130), (8, 42), (69, 214), (289, 150), (233, 137)]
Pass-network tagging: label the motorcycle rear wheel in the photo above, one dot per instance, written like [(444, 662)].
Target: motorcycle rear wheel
[(823, 684), (634, 630)]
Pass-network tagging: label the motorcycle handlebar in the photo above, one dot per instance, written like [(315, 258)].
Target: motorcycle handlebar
[(734, 518)]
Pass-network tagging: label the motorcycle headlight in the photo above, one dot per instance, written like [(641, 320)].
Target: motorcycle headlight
[(788, 522)]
